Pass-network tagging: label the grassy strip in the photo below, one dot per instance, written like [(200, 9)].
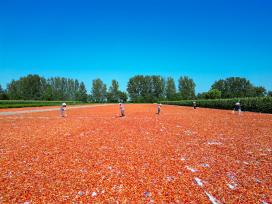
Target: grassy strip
[(22, 103), (254, 104)]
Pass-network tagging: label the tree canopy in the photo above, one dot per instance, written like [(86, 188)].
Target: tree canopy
[(99, 91), (170, 89), (237, 87), (186, 87), (140, 88), (146, 88), (34, 87), (3, 94)]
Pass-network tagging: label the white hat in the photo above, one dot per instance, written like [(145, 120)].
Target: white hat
[(63, 104)]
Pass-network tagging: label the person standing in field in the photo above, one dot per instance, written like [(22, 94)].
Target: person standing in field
[(194, 105), (237, 107), (122, 109), (159, 108), (62, 109)]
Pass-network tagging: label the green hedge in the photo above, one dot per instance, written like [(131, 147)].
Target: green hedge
[(256, 104), (27, 103)]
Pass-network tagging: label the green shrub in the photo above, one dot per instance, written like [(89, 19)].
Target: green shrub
[(255, 104)]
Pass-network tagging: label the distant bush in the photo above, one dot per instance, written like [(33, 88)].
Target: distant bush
[(255, 104)]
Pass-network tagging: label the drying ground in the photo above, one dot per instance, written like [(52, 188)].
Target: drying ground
[(181, 156)]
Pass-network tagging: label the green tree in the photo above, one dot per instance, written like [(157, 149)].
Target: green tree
[(269, 93), (201, 95), (234, 87), (60, 88), (186, 88), (30, 87), (81, 93), (259, 91), (55, 88), (157, 88), (146, 88), (135, 88), (71, 89), (3, 94), (122, 96), (13, 90), (170, 89), (213, 94), (113, 94), (99, 91), (90, 98), (48, 93), (147, 92)]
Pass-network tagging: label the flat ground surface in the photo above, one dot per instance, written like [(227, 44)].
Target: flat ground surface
[(181, 156)]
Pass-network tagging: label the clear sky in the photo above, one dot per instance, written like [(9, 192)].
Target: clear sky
[(116, 39)]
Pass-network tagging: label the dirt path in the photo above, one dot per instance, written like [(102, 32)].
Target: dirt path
[(49, 109)]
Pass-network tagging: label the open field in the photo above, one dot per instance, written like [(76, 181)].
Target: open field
[(181, 156)]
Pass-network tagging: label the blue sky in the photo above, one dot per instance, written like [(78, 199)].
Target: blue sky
[(115, 39)]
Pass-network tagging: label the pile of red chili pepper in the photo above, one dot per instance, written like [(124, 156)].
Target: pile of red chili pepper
[(181, 155)]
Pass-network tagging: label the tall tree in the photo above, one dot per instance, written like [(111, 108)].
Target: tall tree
[(146, 88), (135, 88), (57, 88), (3, 94), (13, 90), (99, 91), (33, 87), (259, 91), (122, 96), (170, 89), (158, 88), (30, 87), (81, 93), (113, 94), (60, 88), (1, 90), (48, 93), (186, 88), (234, 87)]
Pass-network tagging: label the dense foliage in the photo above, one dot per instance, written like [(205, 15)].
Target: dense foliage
[(170, 89), (140, 89), (237, 87), (99, 91), (186, 88), (146, 88), (211, 94), (3, 94), (34, 87), (114, 95)]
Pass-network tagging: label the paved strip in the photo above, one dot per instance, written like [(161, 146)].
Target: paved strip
[(49, 109)]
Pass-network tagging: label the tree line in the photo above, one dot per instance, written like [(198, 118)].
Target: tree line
[(140, 88), (35, 87), (156, 88)]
